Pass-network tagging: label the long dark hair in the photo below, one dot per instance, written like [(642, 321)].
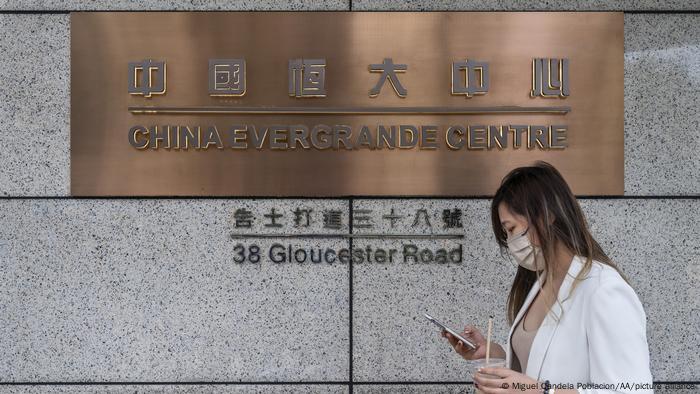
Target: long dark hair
[(540, 193)]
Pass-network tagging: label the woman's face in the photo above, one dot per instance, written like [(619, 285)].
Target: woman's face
[(514, 224)]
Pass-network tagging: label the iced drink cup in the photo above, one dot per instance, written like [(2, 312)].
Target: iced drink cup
[(480, 363)]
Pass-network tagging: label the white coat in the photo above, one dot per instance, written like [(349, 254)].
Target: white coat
[(599, 339)]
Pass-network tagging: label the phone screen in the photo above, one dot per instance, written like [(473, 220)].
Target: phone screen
[(465, 341)]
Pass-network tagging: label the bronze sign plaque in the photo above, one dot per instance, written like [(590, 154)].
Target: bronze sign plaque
[(343, 103)]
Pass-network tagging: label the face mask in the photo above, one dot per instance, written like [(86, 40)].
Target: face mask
[(527, 255)]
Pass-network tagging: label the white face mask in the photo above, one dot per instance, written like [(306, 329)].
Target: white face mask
[(527, 255)]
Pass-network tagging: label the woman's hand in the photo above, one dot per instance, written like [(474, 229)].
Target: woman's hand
[(472, 334), (503, 381)]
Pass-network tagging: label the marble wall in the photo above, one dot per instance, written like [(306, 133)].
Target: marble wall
[(145, 295)]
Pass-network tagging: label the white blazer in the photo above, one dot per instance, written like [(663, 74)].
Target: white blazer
[(599, 339)]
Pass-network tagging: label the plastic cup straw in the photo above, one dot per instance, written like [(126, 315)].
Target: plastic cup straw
[(488, 339)]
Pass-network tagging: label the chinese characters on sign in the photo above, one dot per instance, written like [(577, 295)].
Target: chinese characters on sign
[(147, 78), (307, 77), (226, 77), (550, 78), (334, 218), (388, 70), (361, 223)]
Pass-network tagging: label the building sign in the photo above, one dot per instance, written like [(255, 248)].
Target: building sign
[(408, 233), (342, 103)]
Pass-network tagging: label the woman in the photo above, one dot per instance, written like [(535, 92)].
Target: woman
[(590, 337)]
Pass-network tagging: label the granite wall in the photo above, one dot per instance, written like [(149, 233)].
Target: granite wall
[(145, 295)]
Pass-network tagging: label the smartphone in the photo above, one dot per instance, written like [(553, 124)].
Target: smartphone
[(451, 331)]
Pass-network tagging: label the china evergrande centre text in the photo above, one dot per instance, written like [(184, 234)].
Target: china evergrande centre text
[(321, 137)]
